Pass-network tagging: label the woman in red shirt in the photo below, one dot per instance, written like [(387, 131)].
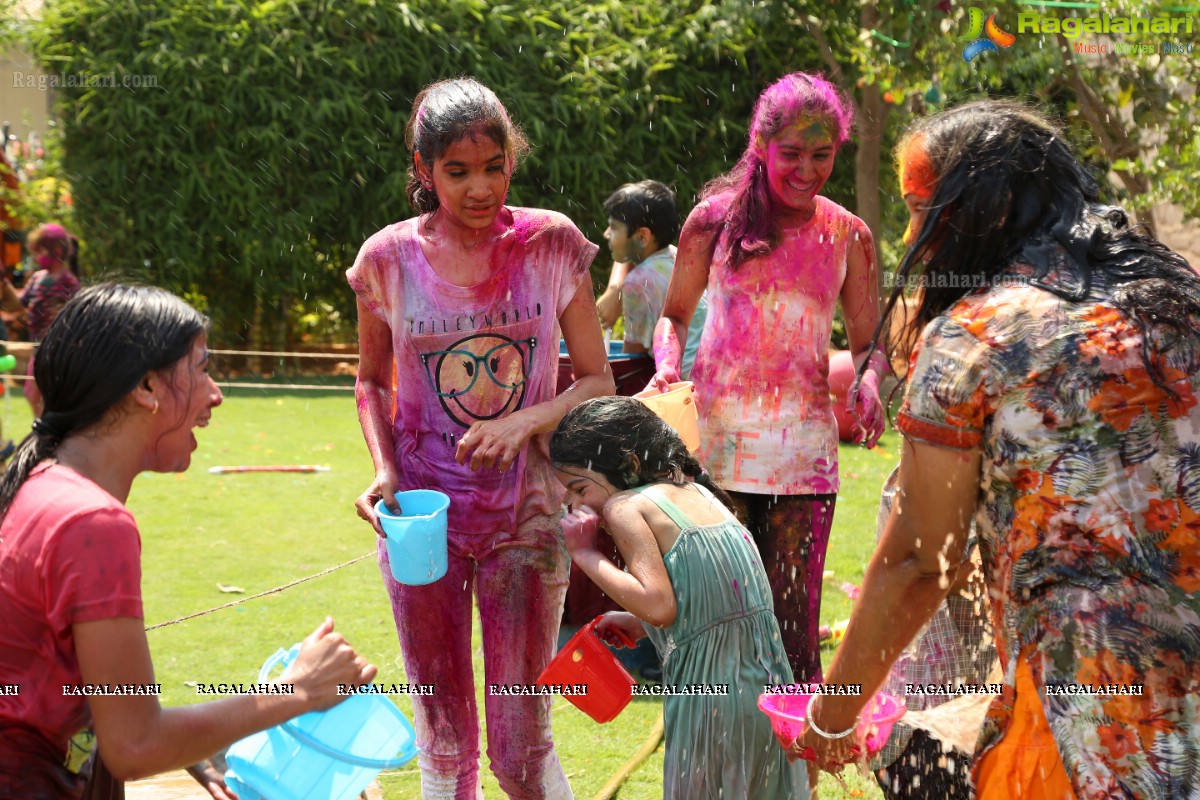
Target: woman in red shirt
[(124, 375)]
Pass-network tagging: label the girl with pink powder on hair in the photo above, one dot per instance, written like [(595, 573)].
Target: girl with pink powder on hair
[(46, 291), (460, 310), (776, 259)]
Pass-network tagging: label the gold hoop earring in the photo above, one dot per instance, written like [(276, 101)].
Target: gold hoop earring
[(155, 411)]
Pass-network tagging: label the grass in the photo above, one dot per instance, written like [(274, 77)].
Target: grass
[(260, 531)]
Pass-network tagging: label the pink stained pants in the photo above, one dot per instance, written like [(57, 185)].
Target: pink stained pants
[(520, 581), (792, 534)]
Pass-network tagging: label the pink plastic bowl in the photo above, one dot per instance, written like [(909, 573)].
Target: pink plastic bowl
[(786, 712)]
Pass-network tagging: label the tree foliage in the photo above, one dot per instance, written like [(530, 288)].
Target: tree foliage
[(272, 143), (1129, 115)]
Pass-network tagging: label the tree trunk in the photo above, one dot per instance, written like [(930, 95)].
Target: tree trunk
[(872, 118)]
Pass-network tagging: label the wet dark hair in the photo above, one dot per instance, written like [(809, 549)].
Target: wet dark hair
[(645, 204), (445, 112), (749, 221), (73, 256), (604, 435), (101, 345), (1010, 192)]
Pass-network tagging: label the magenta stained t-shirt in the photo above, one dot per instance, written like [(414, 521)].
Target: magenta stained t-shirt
[(465, 354), (762, 373)]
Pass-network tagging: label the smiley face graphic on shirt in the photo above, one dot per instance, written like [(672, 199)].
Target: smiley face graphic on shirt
[(480, 377)]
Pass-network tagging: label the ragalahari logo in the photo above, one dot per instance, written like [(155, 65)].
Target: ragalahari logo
[(984, 36)]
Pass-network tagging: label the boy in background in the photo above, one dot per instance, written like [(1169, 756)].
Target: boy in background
[(642, 222)]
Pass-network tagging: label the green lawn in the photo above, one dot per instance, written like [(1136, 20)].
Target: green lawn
[(259, 531)]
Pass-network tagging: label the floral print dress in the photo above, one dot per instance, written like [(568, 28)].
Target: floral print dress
[(1088, 519)]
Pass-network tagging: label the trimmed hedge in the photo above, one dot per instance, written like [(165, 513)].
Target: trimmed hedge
[(272, 144)]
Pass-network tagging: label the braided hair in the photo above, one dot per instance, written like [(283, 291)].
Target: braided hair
[(627, 443)]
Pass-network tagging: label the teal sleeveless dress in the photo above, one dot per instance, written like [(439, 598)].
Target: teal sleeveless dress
[(725, 634)]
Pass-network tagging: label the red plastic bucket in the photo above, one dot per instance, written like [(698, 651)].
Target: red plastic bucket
[(586, 660)]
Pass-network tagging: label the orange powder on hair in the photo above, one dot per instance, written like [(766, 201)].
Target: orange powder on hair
[(917, 176)]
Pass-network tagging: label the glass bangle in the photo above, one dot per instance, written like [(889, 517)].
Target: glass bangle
[(812, 723)]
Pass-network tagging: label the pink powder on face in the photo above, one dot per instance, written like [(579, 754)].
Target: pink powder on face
[(801, 153), (801, 96), (748, 212), (811, 131)]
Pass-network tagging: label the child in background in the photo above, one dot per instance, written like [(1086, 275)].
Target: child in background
[(10, 301), (47, 291), (695, 585), (642, 222)]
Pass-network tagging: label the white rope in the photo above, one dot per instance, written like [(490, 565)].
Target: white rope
[(311, 387), (272, 353), (315, 387), (277, 589), (337, 387)]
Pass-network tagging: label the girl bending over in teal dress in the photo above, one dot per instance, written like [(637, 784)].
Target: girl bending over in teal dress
[(694, 584)]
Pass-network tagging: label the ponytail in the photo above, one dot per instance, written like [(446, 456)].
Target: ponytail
[(628, 444), (699, 474), (33, 450)]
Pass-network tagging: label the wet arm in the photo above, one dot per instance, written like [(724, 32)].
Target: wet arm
[(137, 737), (609, 304), (910, 573), (860, 300), (645, 590), (589, 360), (693, 260), (373, 389)]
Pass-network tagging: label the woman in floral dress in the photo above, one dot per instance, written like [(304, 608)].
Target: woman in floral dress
[(1052, 396)]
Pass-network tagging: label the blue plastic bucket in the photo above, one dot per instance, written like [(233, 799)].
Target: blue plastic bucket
[(416, 540), (322, 755)]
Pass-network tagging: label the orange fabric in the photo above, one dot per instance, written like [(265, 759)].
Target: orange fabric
[(10, 256), (1025, 764), (9, 180)]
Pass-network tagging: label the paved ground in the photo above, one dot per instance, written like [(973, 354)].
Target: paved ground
[(180, 786)]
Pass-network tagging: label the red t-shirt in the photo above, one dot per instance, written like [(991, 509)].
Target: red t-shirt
[(69, 553)]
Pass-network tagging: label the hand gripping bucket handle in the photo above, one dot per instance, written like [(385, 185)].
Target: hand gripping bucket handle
[(620, 634), (285, 658)]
